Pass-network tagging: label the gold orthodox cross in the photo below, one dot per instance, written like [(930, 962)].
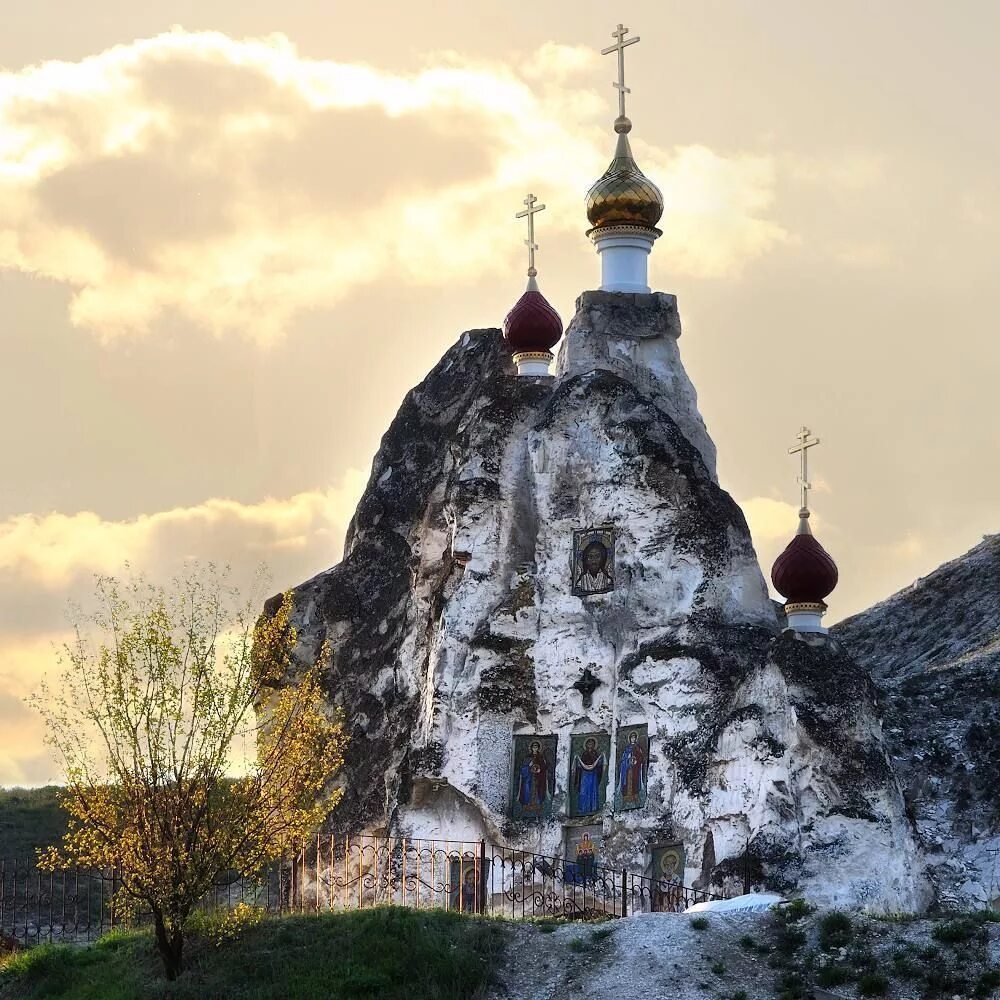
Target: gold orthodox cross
[(802, 449), (530, 241), (619, 47)]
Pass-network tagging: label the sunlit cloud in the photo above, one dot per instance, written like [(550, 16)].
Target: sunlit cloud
[(846, 171), (47, 564), (770, 520), (53, 550), (24, 757), (237, 183)]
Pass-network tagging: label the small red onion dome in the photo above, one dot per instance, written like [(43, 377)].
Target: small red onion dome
[(804, 573), (532, 325)]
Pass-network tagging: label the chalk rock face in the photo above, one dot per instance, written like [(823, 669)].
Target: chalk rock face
[(455, 627), (935, 649)]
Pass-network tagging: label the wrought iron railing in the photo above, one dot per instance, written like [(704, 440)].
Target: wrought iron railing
[(467, 876)]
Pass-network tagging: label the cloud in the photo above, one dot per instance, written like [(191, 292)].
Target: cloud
[(237, 183), (715, 208), (24, 758), (770, 520), (53, 550), (47, 560), (851, 171)]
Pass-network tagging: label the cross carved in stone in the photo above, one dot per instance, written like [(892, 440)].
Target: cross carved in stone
[(802, 449), (619, 47), (587, 685), (532, 246)]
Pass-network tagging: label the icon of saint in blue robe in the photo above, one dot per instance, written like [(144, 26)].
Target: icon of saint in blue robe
[(631, 784), (533, 780), (588, 775)]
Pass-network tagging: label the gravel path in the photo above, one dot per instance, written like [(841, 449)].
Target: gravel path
[(650, 956)]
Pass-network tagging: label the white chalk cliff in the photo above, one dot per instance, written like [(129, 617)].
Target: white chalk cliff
[(454, 627)]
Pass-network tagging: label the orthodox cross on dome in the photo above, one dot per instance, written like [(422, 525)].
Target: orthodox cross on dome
[(619, 47), (802, 450), (530, 243)]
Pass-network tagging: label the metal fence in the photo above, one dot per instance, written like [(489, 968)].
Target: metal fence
[(467, 876)]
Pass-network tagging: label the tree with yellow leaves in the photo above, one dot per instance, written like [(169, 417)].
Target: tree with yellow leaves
[(150, 716)]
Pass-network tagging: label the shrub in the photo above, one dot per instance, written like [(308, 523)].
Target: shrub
[(791, 938), (834, 975), (835, 930), (904, 966), (793, 987), (747, 943), (873, 984), (958, 931), (988, 983), (221, 926), (863, 959), (796, 909), (577, 944), (719, 968), (700, 923), (740, 995)]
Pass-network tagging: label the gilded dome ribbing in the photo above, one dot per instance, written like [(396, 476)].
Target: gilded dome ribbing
[(624, 195)]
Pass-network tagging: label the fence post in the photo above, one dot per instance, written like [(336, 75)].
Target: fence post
[(482, 877), (624, 892), (746, 868)]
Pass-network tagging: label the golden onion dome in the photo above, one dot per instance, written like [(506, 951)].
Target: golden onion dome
[(624, 195)]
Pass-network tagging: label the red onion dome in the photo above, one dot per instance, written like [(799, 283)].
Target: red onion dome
[(532, 325), (804, 573)]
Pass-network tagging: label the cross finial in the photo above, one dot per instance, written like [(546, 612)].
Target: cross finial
[(802, 450), (532, 246), (619, 47)]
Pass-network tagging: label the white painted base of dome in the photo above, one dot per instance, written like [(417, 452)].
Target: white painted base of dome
[(805, 621), (624, 259), (533, 363)]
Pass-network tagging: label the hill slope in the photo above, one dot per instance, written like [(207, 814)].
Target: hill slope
[(380, 954), (935, 649), (29, 818)]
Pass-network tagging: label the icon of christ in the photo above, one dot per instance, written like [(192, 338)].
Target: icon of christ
[(593, 561)]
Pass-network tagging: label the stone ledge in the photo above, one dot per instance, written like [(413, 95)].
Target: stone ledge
[(631, 314)]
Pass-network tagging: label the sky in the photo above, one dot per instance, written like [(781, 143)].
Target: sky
[(232, 235)]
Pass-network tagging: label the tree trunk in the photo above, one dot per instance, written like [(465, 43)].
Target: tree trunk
[(170, 944)]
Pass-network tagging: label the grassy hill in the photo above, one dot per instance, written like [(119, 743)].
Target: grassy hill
[(29, 818), (387, 953)]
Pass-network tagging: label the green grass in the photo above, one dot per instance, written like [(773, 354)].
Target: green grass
[(29, 818), (387, 953), (700, 923)]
